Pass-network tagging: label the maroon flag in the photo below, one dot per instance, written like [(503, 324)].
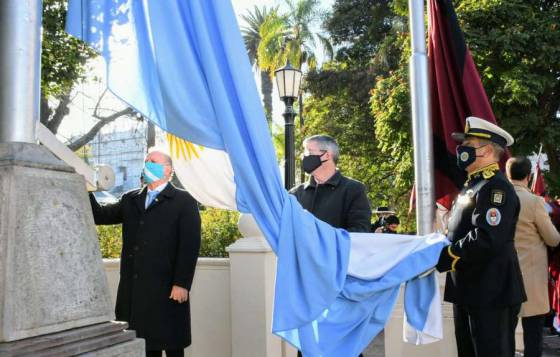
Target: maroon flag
[(538, 187), (456, 93)]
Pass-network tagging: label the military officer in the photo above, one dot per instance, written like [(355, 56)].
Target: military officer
[(484, 280)]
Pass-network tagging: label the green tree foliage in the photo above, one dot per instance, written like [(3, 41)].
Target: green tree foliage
[(257, 26), (64, 62), (63, 57), (110, 240), (374, 150), (516, 46), (219, 230)]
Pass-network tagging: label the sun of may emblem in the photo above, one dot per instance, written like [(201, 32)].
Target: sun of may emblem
[(182, 149)]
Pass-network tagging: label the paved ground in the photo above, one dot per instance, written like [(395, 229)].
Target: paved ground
[(551, 346), (377, 347)]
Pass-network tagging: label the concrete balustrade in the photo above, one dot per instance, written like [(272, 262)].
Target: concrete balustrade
[(231, 307)]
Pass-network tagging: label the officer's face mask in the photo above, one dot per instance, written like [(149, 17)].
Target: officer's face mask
[(153, 172), (311, 163), (466, 155)]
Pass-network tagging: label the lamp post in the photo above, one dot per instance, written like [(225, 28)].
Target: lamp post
[(288, 80)]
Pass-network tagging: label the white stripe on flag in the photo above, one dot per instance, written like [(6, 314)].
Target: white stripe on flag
[(205, 173)]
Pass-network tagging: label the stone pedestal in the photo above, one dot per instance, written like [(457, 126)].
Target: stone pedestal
[(51, 272), (105, 339)]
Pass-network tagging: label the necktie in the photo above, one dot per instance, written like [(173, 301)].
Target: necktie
[(151, 196)]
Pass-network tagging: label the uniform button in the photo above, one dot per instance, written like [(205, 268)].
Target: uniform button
[(141, 222), (136, 248), (135, 276), (130, 255)]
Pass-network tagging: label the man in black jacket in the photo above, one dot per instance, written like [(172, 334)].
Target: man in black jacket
[(161, 240), (484, 281), (328, 195)]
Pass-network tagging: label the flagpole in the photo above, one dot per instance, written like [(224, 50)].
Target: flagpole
[(20, 69), (421, 120)]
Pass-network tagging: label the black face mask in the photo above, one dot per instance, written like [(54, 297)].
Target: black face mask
[(466, 155), (311, 163)]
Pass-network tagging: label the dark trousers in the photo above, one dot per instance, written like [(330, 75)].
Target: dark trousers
[(168, 353), (485, 332), (533, 335)]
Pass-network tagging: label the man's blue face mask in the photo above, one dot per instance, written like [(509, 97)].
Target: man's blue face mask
[(153, 172)]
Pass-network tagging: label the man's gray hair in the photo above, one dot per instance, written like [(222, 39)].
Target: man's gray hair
[(325, 143), (498, 149)]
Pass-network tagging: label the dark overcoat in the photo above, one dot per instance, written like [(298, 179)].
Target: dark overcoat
[(160, 249), (341, 202)]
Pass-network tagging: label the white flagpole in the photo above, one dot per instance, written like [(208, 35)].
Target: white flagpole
[(421, 121), (20, 69)]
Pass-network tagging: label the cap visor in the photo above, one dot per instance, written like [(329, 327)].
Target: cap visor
[(458, 137)]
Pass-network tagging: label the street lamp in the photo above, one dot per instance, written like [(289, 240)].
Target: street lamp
[(288, 80)]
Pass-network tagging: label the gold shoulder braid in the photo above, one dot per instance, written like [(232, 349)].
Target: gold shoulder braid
[(490, 171), (487, 172)]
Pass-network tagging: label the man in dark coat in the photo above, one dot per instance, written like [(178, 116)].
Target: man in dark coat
[(484, 282), (331, 197), (161, 240)]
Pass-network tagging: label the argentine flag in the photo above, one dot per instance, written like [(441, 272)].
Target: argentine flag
[(183, 65)]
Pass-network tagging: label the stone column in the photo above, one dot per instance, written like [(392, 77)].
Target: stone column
[(253, 272)]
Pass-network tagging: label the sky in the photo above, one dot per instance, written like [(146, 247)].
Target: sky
[(86, 95)]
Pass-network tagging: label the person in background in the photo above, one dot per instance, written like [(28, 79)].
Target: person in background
[(533, 233), (160, 245), (391, 225), (382, 213)]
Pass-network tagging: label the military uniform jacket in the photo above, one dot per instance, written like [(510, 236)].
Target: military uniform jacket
[(159, 249), (481, 229)]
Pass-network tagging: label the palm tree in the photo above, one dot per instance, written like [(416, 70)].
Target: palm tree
[(299, 42), (252, 35), (302, 43)]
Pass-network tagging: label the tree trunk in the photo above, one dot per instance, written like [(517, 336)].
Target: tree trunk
[(87, 137), (151, 134), (266, 90), (45, 110), (59, 114)]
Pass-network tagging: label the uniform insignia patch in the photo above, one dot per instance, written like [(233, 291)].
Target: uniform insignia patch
[(498, 197), (493, 217)]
